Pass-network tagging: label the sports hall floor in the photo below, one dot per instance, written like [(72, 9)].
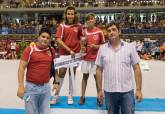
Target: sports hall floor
[(153, 92)]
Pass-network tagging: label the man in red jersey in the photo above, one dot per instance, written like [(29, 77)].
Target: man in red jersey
[(68, 37), (37, 59), (93, 38)]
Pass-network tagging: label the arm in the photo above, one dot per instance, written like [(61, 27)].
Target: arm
[(21, 70), (55, 82), (99, 72), (94, 46), (61, 43), (138, 80), (102, 40)]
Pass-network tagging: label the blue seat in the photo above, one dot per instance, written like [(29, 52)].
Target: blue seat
[(19, 31), (144, 31)]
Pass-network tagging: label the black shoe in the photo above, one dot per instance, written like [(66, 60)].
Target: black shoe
[(82, 100)]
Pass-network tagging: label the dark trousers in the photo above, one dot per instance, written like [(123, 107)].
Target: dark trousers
[(120, 103)]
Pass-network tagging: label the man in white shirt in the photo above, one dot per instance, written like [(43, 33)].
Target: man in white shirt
[(116, 58)]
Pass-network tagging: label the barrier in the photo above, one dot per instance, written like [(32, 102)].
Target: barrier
[(142, 31), (69, 62)]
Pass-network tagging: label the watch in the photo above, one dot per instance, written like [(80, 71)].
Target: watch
[(56, 82)]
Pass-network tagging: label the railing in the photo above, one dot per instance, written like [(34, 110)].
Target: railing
[(18, 31), (123, 31), (143, 31), (21, 31)]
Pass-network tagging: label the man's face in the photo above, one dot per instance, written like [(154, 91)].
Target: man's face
[(113, 33), (70, 15), (91, 22), (44, 39)]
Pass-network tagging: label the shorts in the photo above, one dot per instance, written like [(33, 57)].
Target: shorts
[(88, 67)]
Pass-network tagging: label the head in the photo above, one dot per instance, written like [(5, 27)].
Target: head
[(70, 15), (113, 32), (90, 20), (44, 37)]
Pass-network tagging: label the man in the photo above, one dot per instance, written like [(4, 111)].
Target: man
[(68, 37), (93, 39), (116, 58), (37, 60)]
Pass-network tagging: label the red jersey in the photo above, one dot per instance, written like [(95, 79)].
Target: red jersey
[(70, 35), (38, 68), (93, 36)]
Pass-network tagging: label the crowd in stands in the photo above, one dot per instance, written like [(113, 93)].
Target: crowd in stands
[(150, 49), (78, 3), (147, 49), (128, 27), (10, 3), (31, 27), (9, 49)]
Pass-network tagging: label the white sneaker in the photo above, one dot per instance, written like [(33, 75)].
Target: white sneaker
[(70, 100), (54, 99)]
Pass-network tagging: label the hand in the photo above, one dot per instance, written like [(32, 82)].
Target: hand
[(93, 46), (72, 54), (138, 95), (55, 88), (100, 95), (21, 91)]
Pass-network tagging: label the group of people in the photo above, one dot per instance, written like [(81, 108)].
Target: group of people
[(112, 60), (8, 49)]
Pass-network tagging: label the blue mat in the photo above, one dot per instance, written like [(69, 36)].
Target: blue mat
[(148, 104), (90, 103), (11, 111)]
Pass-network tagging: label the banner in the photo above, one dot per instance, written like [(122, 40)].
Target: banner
[(67, 60)]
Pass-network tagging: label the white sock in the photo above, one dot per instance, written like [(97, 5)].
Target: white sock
[(70, 86)]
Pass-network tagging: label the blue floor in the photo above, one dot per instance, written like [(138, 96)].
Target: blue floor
[(11, 111), (155, 105), (146, 105)]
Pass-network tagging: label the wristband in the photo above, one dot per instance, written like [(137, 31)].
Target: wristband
[(56, 82)]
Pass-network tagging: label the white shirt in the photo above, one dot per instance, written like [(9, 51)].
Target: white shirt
[(117, 66)]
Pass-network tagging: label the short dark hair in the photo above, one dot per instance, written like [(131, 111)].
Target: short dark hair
[(113, 23), (45, 29)]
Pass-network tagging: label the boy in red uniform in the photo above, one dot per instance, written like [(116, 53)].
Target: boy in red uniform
[(93, 39)]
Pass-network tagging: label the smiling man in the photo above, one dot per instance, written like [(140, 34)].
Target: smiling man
[(37, 60)]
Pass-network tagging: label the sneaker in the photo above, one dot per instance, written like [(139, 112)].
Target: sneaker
[(82, 100), (54, 99), (70, 100)]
